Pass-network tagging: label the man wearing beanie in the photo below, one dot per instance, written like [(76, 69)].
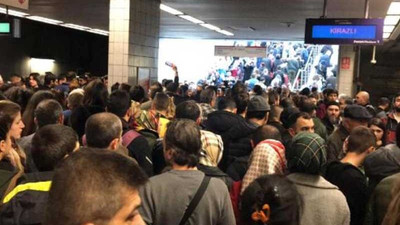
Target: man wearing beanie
[(354, 116), (306, 157), (332, 117)]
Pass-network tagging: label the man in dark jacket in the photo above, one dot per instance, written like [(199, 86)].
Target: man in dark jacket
[(235, 132), (330, 95), (354, 116), (362, 98), (347, 175), (138, 147), (26, 204), (332, 117)]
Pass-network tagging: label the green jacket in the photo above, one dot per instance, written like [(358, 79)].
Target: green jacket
[(380, 200)]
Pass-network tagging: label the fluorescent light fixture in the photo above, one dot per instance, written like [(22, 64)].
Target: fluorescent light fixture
[(44, 20), (227, 33), (191, 19), (388, 29), (170, 10), (211, 27), (392, 20), (17, 13), (98, 31), (13, 12), (386, 35), (394, 8), (75, 26), (41, 65)]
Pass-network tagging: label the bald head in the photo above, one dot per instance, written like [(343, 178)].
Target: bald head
[(362, 98), (103, 130), (266, 132)]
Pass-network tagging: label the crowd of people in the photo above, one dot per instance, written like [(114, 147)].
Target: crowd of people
[(279, 68), (73, 153)]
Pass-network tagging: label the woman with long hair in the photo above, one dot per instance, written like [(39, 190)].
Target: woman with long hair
[(94, 101), (11, 127), (28, 115), (378, 127)]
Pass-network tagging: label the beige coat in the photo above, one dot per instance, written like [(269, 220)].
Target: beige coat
[(323, 203)]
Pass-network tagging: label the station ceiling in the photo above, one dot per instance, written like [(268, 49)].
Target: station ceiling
[(247, 19)]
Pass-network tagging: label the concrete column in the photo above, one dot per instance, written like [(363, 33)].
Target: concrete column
[(347, 70), (133, 40)]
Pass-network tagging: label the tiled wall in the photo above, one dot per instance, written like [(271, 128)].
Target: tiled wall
[(134, 39), (346, 76)]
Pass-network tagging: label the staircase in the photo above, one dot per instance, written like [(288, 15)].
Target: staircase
[(307, 71)]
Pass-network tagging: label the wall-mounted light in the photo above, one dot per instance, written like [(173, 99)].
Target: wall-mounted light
[(41, 65)]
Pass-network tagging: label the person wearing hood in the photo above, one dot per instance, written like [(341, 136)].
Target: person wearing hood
[(384, 162), (212, 146), (306, 157), (268, 156)]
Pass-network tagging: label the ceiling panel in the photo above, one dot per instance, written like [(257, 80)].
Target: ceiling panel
[(271, 19)]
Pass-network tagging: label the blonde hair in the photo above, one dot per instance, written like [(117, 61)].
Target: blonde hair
[(171, 108)]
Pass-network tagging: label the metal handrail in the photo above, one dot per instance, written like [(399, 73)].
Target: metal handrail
[(302, 72)]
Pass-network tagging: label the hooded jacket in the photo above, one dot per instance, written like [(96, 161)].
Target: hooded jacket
[(382, 163), (235, 132)]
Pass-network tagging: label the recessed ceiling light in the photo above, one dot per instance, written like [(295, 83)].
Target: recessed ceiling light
[(191, 19), (392, 20), (170, 10), (394, 8), (211, 27), (227, 33), (98, 31), (75, 26), (386, 35), (44, 20), (388, 29), (13, 12)]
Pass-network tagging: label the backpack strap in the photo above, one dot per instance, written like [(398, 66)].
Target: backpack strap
[(196, 199), (128, 137)]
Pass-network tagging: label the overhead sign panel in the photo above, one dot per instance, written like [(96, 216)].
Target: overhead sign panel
[(5, 27), (241, 51), (22, 4), (344, 31)]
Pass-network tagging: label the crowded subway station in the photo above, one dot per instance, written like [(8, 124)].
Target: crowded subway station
[(200, 112)]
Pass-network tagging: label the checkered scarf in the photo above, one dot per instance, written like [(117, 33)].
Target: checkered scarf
[(307, 153), (268, 157), (211, 148)]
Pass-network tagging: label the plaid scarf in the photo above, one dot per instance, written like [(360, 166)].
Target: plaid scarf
[(268, 157), (307, 153)]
